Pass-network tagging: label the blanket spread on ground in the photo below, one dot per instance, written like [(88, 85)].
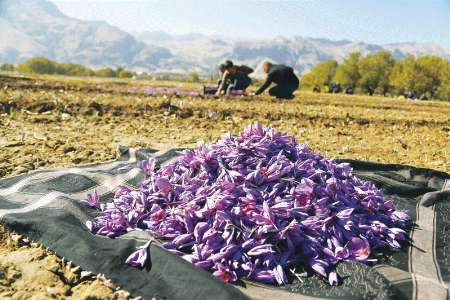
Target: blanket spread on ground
[(45, 206)]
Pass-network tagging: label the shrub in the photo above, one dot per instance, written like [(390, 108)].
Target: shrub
[(125, 74), (105, 72), (7, 67), (39, 65)]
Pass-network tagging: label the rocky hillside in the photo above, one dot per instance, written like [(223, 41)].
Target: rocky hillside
[(30, 28)]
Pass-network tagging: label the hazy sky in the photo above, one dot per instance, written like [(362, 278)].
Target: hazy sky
[(376, 21)]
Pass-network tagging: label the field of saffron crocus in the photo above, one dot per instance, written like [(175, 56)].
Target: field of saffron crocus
[(54, 121)]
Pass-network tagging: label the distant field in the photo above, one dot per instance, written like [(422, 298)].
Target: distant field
[(58, 121), (54, 115)]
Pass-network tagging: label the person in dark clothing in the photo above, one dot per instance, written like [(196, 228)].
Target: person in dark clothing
[(349, 90), (234, 78), (222, 70), (410, 95), (285, 79), (242, 68), (334, 88), (239, 81), (212, 90)]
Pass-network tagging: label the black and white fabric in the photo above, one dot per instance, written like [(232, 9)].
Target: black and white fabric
[(45, 206)]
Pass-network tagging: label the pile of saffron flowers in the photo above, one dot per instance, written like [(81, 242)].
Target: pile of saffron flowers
[(255, 206), (169, 91), (207, 90)]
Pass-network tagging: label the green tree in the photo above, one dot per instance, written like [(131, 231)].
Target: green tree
[(105, 72), (71, 69), (321, 75), (444, 89), (347, 73), (375, 70), (402, 75), (124, 74), (7, 67), (428, 77), (193, 77), (39, 65)]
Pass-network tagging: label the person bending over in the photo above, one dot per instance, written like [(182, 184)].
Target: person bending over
[(234, 78), (285, 79), (222, 70)]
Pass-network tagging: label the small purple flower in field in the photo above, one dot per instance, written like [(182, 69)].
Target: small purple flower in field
[(140, 257), (253, 206), (237, 93), (212, 114), (92, 200), (170, 91), (182, 92)]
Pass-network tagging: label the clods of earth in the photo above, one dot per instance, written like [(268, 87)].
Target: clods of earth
[(46, 123)]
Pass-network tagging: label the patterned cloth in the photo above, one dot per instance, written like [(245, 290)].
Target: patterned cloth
[(45, 206)]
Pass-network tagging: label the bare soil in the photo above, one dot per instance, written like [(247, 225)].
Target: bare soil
[(49, 123)]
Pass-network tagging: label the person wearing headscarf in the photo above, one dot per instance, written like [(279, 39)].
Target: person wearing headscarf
[(234, 78)]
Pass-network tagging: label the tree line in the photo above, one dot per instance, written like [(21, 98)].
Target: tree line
[(424, 77), (42, 65)]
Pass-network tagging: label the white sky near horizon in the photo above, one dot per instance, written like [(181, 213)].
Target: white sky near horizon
[(381, 21)]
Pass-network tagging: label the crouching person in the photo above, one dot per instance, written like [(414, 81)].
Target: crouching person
[(235, 78), (285, 79)]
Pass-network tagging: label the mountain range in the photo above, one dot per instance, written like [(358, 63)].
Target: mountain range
[(30, 28)]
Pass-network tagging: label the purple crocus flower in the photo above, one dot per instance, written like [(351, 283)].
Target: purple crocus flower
[(341, 253), (148, 166), (262, 276), (92, 200), (140, 257), (164, 185), (333, 278), (359, 249), (260, 250), (279, 275), (224, 273), (319, 266), (400, 216)]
